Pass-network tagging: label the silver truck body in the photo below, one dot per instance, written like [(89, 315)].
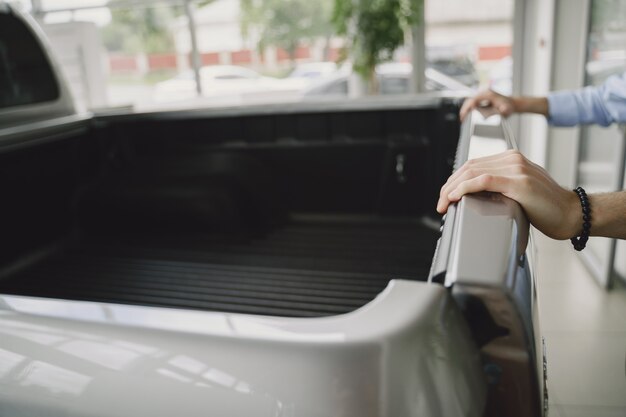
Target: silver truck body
[(463, 344)]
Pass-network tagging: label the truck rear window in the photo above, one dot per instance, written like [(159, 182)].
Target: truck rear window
[(25, 73)]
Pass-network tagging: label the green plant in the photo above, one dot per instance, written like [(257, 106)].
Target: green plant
[(373, 30), (285, 23), (139, 30), (145, 28)]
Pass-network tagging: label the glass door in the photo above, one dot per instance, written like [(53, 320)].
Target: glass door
[(602, 150)]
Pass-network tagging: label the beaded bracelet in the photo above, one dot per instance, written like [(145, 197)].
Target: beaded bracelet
[(580, 242)]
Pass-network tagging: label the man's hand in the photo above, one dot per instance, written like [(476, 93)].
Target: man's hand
[(550, 208), (502, 104)]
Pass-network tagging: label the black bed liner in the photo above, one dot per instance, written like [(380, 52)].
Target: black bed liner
[(307, 268)]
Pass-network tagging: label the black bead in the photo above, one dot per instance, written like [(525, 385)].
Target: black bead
[(579, 243)]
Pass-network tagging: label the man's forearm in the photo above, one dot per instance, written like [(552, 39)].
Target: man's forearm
[(554, 210), (538, 105), (608, 214)]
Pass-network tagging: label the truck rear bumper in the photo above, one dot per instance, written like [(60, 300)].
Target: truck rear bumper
[(407, 353)]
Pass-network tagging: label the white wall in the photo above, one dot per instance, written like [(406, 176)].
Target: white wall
[(438, 11), (534, 66), (78, 48), (488, 33), (458, 23), (570, 36), (217, 26)]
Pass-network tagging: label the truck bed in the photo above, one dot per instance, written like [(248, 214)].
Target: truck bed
[(308, 267), (206, 210)]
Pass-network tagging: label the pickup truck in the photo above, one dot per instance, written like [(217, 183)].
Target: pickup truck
[(278, 260)]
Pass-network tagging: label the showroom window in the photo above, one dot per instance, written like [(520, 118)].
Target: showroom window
[(178, 53), (472, 44)]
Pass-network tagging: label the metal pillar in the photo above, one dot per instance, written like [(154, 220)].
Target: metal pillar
[(418, 58), (37, 9), (195, 54), (418, 52)]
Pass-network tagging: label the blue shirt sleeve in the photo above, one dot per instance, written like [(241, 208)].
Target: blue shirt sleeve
[(603, 105)]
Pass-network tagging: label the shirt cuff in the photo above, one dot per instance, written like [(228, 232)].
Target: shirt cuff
[(562, 109)]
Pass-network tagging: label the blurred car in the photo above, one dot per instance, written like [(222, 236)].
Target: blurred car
[(601, 69), (313, 70), (220, 80), (460, 68), (393, 78)]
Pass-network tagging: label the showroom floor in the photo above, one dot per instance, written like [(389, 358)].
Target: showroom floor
[(585, 333)]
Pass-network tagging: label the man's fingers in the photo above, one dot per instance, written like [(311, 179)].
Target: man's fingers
[(471, 172), (503, 159), (482, 99), (506, 164), (468, 105), (494, 169), (484, 182)]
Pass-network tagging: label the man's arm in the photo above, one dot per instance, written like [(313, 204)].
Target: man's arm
[(603, 105), (608, 213), (506, 106), (552, 209)]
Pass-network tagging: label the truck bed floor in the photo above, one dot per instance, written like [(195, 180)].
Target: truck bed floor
[(305, 269)]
